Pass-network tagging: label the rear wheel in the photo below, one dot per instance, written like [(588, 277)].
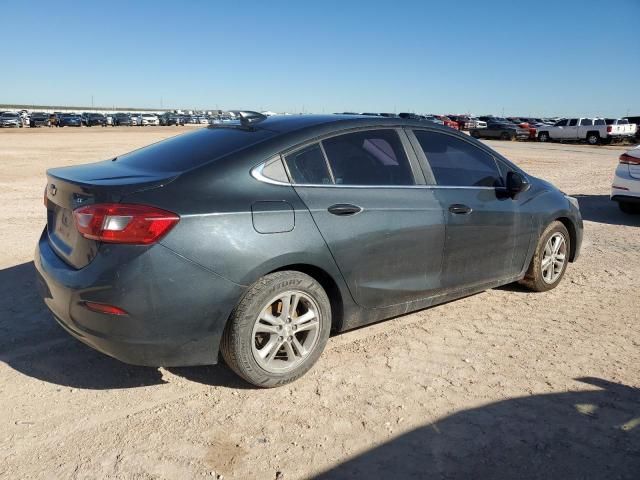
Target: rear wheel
[(505, 136), (593, 138), (278, 330), (475, 134), (550, 259), (543, 137)]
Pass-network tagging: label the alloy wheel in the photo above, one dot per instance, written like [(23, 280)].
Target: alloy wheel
[(286, 331), (554, 258)]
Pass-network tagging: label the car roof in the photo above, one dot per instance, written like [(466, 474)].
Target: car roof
[(290, 123)]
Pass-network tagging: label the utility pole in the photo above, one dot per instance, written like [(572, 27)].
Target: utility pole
[(91, 102)]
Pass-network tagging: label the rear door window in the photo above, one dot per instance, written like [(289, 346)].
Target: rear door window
[(372, 157), (308, 166), (585, 122), (561, 123), (573, 122), (456, 162)]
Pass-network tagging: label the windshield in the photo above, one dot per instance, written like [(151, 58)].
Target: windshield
[(10, 115)]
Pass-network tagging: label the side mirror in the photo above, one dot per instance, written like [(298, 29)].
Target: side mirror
[(516, 184)]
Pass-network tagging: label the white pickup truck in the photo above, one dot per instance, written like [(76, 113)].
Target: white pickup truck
[(593, 130)]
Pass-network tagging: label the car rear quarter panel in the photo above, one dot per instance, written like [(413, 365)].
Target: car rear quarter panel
[(241, 228)]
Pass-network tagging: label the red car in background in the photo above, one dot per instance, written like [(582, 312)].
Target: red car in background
[(533, 132), (448, 122)]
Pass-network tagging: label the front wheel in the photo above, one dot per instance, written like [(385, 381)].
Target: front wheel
[(278, 330), (550, 259)]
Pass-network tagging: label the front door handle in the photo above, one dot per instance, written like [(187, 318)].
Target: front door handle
[(344, 209), (460, 209)]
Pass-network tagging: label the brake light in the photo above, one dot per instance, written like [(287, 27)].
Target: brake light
[(609, 129), (124, 223), (629, 160)]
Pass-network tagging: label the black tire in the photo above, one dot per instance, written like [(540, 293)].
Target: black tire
[(543, 137), (237, 339), (533, 279), (475, 134), (593, 138), (629, 208), (505, 136)]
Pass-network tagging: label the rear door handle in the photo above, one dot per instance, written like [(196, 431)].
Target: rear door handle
[(344, 209), (460, 209)]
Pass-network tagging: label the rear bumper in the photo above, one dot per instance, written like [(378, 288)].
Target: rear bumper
[(177, 310), (625, 188)]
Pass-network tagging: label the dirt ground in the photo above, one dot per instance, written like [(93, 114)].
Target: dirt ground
[(503, 384)]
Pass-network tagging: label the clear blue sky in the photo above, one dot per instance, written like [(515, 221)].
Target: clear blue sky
[(541, 57)]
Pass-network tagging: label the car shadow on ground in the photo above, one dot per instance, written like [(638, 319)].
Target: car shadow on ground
[(600, 209), (571, 435), (32, 343)]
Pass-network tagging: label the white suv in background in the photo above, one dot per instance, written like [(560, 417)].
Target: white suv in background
[(626, 182)]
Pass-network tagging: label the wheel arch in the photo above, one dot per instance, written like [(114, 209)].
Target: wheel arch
[(330, 287), (571, 228)]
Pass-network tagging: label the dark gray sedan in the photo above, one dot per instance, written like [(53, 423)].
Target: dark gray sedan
[(257, 239), (500, 130)]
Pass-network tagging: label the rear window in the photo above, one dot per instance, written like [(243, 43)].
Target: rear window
[(193, 149)]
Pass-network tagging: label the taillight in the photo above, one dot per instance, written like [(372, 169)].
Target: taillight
[(124, 223), (609, 129), (629, 160)]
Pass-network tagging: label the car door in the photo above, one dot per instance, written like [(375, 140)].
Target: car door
[(585, 125), (487, 236), (385, 232), (570, 132), (557, 131)]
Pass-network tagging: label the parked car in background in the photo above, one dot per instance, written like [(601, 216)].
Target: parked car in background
[(433, 119), (149, 119), (474, 122), (122, 119), (10, 119), (136, 119), (501, 130), (626, 182), (39, 119), (109, 118), (190, 119), (628, 129), (447, 122), (169, 118), (594, 131), (69, 120), (95, 119), (636, 121), (247, 239), (461, 120)]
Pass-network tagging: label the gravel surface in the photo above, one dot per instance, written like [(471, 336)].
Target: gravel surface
[(503, 384)]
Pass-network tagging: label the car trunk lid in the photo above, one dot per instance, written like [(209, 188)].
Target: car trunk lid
[(73, 187)]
